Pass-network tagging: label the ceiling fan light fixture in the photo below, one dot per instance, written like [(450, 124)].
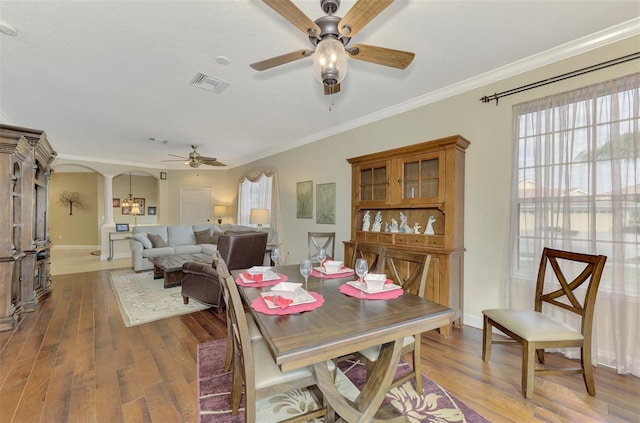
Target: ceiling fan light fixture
[(330, 62)]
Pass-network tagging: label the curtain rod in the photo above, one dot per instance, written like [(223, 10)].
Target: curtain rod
[(603, 65)]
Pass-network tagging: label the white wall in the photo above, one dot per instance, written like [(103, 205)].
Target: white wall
[(488, 168)]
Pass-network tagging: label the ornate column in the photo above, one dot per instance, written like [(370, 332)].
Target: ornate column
[(108, 200)]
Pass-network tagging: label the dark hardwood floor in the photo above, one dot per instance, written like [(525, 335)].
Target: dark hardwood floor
[(74, 361)]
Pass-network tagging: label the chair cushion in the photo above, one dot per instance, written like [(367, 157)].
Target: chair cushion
[(157, 241), (187, 249), (143, 239), (372, 353), (181, 235), (254, 332), (269, 374), (532, 325)]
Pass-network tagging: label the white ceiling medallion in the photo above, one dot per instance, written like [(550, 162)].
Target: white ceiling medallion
[(209, 83)]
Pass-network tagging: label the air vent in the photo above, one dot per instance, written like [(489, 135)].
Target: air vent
[(209, 83)]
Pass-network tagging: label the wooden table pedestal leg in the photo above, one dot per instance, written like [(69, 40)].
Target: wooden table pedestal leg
[(366, 408)]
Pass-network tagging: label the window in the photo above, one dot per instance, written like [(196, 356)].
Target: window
[(253, 195), (577, 187)]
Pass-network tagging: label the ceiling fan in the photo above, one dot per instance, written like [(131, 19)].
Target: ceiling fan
[(330, 35), (196, 159)]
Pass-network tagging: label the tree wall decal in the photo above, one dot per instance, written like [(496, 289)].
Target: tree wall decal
[(71, 199)]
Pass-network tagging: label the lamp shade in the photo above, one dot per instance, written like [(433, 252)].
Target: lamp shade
[(259, 216), (330, 62), (219, 211), (135, 208)]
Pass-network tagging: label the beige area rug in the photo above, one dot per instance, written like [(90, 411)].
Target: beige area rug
[(143, 299)]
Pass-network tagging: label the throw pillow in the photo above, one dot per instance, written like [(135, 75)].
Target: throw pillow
[(156, 241), (142, 239), (214, 238), (202, 237)]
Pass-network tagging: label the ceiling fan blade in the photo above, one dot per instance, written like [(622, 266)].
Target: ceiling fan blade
[(181, 160), (332, 90), (360, 15), (281, 60), (212, 163), (381, 56), (182, 157), (290, 12)]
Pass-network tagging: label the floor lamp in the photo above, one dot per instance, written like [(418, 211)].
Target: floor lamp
[(135, 211)]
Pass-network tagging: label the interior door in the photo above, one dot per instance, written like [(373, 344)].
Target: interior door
[(195, 205)]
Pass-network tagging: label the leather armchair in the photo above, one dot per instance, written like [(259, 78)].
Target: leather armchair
[(239, 250)]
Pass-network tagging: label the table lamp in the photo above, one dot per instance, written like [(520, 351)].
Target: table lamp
[(259, 217), (219, 211)]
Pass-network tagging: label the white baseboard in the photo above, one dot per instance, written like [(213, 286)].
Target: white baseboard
[(473, 320)]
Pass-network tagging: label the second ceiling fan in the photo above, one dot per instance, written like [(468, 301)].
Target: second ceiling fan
[(330, 35)]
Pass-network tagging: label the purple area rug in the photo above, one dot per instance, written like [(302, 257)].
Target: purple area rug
[(434, 405)]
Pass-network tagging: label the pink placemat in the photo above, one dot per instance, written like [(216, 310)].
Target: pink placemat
[(260, 306), (283, 278), (355, 292), (318, 274)]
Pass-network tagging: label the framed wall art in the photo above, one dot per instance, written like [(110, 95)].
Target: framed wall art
[(151, 210), (140, 202), (163, 176), (304, 200), (326, 203), (116, 202)]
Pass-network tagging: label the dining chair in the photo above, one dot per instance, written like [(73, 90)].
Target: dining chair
[(409, 270), (535, 330), (256, 371), (317, 240), (375, 255), (254, 332)]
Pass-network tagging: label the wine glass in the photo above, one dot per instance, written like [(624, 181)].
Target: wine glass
[(305, 270), (321, 256), (275, 257), (362, 268)]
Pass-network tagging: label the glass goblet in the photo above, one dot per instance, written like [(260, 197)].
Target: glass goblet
[(322, 256), (275, 257), (305, 270), (362, 268)]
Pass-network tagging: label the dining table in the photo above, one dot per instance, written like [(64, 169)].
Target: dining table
[(341, 325)]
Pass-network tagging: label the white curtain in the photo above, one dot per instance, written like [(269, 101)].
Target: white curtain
[(258, 189), (576, 186)]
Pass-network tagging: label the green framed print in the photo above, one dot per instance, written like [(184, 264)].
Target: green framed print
[(326, 203), (304, 200)]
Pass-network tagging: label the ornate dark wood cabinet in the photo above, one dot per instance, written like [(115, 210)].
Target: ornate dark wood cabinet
[(25, 170), (419, 181)]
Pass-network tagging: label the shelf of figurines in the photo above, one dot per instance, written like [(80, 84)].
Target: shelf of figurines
[(417, 227)]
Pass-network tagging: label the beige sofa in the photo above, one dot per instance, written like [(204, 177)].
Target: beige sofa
[(183, 239)]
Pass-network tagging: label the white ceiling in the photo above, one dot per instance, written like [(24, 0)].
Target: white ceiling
[(101, 77)]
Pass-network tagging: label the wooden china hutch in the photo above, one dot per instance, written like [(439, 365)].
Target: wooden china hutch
[(420, 180), (25, 172)]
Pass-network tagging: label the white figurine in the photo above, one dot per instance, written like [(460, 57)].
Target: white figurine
[(386, 227), (408, 230), (429, 230), (366, 221), (394, 225), (403, 223), (416, 228), (377, 222)]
